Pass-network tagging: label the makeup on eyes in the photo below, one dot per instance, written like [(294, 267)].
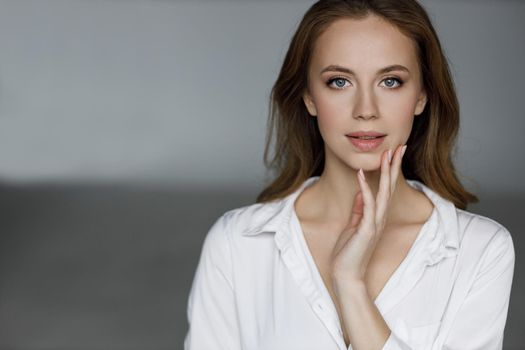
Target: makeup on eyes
[(400, 82)]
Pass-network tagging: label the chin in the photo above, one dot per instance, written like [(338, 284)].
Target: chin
[(370, 168), (368, 163)]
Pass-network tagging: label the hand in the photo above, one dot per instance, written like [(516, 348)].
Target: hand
[(358, 240)]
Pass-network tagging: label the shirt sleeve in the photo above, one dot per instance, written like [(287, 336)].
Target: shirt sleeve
[(481, 318), (211, 310)]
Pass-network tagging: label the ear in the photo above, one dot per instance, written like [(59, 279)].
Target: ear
[(421, 102), (309, 103)]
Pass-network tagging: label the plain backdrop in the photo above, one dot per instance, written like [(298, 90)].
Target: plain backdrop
[(121, 119)]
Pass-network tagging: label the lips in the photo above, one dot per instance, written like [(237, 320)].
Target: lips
[(367, 134), (366, 140)]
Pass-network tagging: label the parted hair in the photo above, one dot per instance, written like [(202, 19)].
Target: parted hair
[(298, 148)]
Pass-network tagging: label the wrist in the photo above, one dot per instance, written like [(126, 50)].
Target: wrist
[(349, 285)]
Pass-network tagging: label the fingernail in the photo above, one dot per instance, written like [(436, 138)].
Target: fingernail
[(362, 174), (390, 156), (403, 150)]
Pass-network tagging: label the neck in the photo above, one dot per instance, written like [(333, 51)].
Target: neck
[(336, 188)]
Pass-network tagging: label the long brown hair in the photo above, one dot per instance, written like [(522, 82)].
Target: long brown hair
[(298, 152)]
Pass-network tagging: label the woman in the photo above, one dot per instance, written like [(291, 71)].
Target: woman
[(362, 241)]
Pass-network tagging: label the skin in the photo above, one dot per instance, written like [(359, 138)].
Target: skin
[(357, 215)]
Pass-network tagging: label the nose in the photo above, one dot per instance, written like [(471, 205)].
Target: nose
[(365, 105)]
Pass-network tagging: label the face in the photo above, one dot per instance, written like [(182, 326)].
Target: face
[(351, 89)]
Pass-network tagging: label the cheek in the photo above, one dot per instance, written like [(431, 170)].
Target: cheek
[(399, 108), (333, 113), (404, 101)]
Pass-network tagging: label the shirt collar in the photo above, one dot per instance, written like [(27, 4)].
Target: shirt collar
[(277, 216), (447, 215), (279, 212)]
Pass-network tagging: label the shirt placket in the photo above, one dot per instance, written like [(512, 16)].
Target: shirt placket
[(302, 276)]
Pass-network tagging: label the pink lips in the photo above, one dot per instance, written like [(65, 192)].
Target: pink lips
[(366, 144), (365, 133)]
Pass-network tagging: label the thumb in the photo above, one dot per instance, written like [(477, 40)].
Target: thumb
[(357, 211)]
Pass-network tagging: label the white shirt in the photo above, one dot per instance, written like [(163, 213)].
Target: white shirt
[(257, 286)]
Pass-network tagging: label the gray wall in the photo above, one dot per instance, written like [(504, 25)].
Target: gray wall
[(176, 91)]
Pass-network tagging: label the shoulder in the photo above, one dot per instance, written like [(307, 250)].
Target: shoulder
[(481, 225), (488, 236), (235, 222), (251, 217)]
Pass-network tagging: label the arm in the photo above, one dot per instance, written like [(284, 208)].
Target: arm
[(481, 318), (478, 324), (211, 308), (362, 320)]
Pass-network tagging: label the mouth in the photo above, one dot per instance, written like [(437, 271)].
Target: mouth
[(366, 142), (366, 137), (365, 134)]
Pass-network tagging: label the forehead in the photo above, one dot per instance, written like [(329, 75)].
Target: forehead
[(365, 43)]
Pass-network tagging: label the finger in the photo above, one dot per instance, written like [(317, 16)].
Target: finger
[(396, 168), (355, 217), (357, 211), (383, 193), (368, 221)]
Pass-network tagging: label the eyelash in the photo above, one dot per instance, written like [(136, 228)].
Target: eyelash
[(399, 81)]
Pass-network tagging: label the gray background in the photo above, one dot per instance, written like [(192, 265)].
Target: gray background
[(127, 127)]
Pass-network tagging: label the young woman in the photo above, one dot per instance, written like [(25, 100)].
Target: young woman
[(362, 241)]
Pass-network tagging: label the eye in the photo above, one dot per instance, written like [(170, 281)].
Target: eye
[(339, 83), (391, 81)]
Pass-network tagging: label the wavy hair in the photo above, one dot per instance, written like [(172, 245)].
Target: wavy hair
[(298, 152)]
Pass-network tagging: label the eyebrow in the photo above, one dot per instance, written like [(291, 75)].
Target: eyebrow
[(336, 68)]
